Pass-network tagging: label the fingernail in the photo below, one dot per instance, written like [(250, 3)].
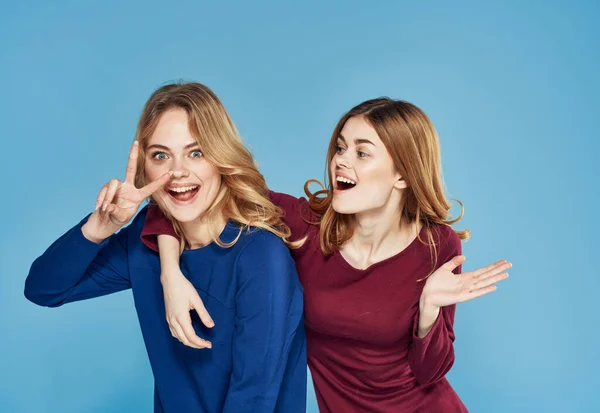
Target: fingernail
[(211, 323), (104, 205)]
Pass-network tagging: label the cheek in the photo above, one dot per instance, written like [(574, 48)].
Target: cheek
[(332, 167), (151, 172)]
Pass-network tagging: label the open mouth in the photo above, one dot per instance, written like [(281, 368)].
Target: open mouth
[(343, 184), (184, 193)]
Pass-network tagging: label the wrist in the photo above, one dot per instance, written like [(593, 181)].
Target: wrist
[(427, 317), (426, 306), (93, 231), (167, 276)]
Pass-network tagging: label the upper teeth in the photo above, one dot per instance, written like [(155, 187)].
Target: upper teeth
[(346, 180), (184, 188)]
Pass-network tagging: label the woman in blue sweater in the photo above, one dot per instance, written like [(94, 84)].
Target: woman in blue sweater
[(189, 159)]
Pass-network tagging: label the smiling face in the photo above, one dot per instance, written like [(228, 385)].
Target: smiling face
[(196, 182), (362, 171)]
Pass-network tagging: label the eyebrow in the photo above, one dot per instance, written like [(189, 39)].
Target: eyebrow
[(357, 141), (165, 148)]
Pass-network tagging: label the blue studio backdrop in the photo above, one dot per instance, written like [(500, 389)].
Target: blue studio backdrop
[(511, 86)]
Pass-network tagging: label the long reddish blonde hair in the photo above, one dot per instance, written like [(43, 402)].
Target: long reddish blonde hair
[(412, 142)]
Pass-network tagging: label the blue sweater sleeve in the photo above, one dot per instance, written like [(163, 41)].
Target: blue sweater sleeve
[(74, 268), (269, 309)]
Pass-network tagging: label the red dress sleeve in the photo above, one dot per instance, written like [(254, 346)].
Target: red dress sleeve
[(156, 224), (297, 216), (432, 356)]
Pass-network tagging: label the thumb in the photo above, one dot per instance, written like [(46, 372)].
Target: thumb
[(155, 185), (454, 262), (202, 313)]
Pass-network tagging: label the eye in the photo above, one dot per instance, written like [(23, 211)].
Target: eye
[(159, 156), (362, 154), (196, 154), (340, 149)]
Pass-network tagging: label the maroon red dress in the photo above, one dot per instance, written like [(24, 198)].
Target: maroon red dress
[(363, 351)]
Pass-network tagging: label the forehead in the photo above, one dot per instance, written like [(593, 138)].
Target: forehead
[(172, 130), (357, 127)]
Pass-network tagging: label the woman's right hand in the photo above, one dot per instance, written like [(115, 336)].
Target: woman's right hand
[(180, 298), (118, 201)]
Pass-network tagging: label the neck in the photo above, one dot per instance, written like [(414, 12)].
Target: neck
[(198, 233), (374, 228), (379, 234)]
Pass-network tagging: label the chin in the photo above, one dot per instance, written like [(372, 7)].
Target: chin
[(183, 216), (345, 208)]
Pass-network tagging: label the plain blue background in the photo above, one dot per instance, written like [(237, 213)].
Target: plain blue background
[(512, 88)]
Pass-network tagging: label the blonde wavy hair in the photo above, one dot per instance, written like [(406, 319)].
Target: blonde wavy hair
[(243, 196), (412, 142)]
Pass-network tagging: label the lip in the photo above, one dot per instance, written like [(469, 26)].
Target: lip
[(181, 185), (335, 182), (179, 202), (345, 176)]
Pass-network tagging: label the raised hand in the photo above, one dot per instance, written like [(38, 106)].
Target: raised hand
[(444, 288), (118, 201)]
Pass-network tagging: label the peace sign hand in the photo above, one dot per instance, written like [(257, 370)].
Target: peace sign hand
[(445, 288), (118, 201)]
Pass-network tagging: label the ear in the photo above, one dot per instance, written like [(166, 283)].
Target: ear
[(400, 183)]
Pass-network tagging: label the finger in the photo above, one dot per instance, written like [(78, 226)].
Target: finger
[(101, 197), (486, 282), (155, 185), (171, 329), (132, 163), (190, 334), (180, 335), (495, 270), (202, 313), (478, 272), (113, 186), (454, 262), (480, 292), (118, 213)]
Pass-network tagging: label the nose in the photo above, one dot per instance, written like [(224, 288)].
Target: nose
[(341, 161), (179, 169)]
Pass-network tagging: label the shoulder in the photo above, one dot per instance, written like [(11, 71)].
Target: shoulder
[(263, 257), (257, 242), (292, 206), (447, 240)]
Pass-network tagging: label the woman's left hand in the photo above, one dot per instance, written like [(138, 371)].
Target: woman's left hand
[(444, 288)]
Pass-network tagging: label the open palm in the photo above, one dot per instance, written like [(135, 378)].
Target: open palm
[(444, 287)]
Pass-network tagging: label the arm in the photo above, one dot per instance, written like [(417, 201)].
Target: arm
[(89, 261), (180, 296), (76, 268), (431, 353), (296, 214), (268, 319)]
